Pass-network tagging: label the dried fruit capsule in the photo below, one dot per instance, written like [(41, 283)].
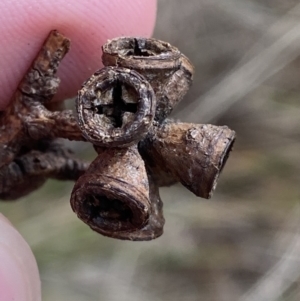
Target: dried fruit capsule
[(154, 227), (112, 197), (169, 72), (193, 154), (115, 107)]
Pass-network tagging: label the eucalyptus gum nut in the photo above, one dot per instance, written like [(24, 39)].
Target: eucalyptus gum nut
[(169, 72), (112, 197), (115, 107), (193, 154), (154, 227)]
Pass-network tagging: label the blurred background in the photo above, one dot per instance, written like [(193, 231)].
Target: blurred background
[(244, 243)]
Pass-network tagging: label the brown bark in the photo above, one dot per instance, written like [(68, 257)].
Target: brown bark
[(27, 126)]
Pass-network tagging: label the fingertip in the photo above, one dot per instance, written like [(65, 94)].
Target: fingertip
[(87, 23), (19, 276), (136, 18)]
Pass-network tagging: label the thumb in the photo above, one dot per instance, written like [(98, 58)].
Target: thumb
[(24, 25), (19, 276)]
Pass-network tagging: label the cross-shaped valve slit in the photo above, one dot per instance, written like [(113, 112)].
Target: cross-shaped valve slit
[(119, 106), (137, 50)]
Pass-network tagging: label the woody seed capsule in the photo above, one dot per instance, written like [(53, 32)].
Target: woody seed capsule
[(193, 154), (115, 107), (112, 197), (154, 226), (169, 72)]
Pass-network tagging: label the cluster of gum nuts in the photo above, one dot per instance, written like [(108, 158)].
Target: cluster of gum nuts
[(122, 110)]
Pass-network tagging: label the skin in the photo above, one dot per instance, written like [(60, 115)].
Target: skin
[(24, 26)]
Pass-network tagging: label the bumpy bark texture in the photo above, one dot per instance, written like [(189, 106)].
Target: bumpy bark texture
[(27, 128)]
